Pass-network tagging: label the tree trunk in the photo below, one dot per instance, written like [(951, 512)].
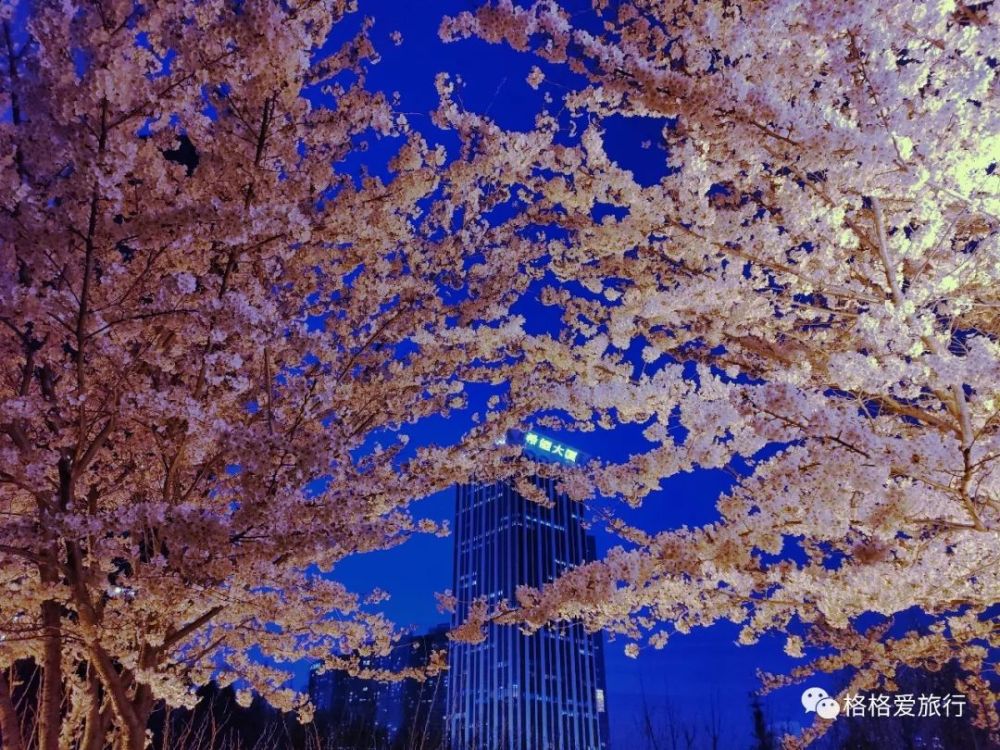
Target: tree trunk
[(10, 728), (134, 738), (134, 734), (132, 712), (50, 702), (95, 729), (142, 707)]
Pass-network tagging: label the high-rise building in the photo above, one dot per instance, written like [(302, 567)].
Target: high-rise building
[(408, 714), (346, 709), (544, 691), (412, 711)]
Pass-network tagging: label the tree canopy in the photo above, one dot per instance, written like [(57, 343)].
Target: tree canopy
[(814, 288), (215, 330)]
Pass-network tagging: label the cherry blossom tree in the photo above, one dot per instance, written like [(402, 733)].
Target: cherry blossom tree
[(215, 332), (813, 286)]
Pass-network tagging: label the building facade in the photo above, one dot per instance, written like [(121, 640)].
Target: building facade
[(345, 709), (544, 691), (410, 711), (353, 712)]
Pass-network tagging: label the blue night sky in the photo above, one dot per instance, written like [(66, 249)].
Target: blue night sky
[(692, 672)]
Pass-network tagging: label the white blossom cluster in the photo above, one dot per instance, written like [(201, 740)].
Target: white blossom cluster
[(813, 287)]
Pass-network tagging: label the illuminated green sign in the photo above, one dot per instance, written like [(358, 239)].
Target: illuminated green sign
[(547, 445)]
